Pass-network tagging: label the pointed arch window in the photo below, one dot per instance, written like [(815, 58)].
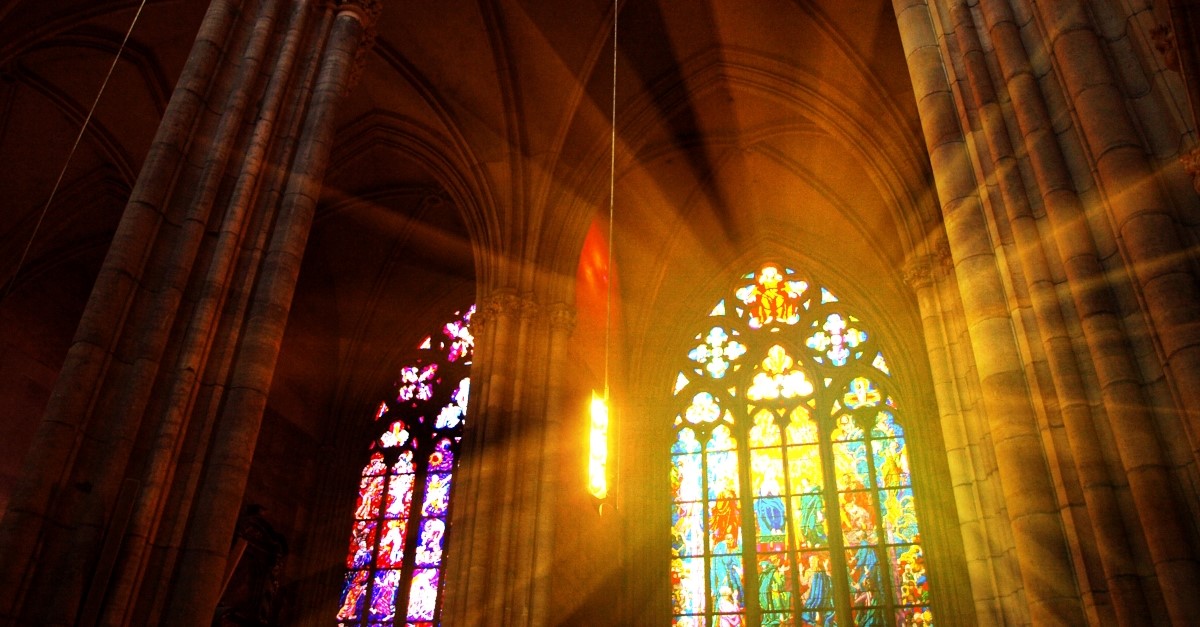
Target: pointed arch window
[(792, 497), (398, 540)]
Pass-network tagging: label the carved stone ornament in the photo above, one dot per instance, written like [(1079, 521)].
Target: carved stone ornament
[(1191, 163), (942, 255), (1164, 43), (562, 317), (367, 11), (529, 309), (918, 272), (501, 304)]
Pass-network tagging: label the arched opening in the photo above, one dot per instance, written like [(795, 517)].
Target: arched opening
[(395, 561), (792, 495)]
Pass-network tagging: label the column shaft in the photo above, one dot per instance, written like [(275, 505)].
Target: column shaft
[(1140, 210), (219, 496), (1104, 513), (87, 367), (919, 273), (551, 463), (1041, 548), (1129, 410)]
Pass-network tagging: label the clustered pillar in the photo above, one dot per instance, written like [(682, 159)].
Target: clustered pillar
[(504, 504), (1098, 514), (179, 339)]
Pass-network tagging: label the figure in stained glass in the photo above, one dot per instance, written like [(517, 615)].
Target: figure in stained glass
[(774, 583), (811, 509), (816, 583), (772, 298), (817, 448), (352, 595), (726, 569), (414, 460), (863, 564)]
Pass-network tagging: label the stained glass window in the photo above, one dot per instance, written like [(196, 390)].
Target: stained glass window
[(398, 538), (792, 496)]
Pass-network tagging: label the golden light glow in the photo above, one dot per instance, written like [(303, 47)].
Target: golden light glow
[(598, 448)]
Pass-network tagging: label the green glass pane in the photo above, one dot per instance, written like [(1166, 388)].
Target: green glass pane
[(774, 583), (808, 520), (726, 584)]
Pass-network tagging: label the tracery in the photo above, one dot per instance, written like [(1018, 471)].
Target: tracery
[(395, 561), (792, 496)]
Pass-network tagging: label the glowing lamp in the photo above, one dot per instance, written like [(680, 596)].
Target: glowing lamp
[(598, 448)]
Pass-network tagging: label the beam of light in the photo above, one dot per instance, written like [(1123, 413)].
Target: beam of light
[(598, 448)]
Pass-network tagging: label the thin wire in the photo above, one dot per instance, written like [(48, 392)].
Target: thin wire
[(78, 138), (612, 192)]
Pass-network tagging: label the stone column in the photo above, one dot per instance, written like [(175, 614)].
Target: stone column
[(482, 526), (219, 495), (919, 273), (551, 462), (184, 292), (504, 506), (78, 459), (1139, 209), (1129, 410), (218, 287), (1104, 515), (1041, 548)]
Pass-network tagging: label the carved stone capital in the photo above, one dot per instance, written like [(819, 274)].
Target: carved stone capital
[(1191, 163), (501, 304), (529, 310), (367, 13), (942, 255), (562, 317), (1164, 43), (918, 272)]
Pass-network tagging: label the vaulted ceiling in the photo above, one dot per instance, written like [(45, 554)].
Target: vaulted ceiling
[(480, 132)]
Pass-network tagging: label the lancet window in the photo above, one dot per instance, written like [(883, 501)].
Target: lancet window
[(792, 497), (398, 539)]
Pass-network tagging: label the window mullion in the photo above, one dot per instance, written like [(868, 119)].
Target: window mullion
[(833, 517), (885, 566), (412, 524), (749, 520)]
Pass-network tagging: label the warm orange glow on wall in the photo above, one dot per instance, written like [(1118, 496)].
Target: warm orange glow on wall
[(598, 448)]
